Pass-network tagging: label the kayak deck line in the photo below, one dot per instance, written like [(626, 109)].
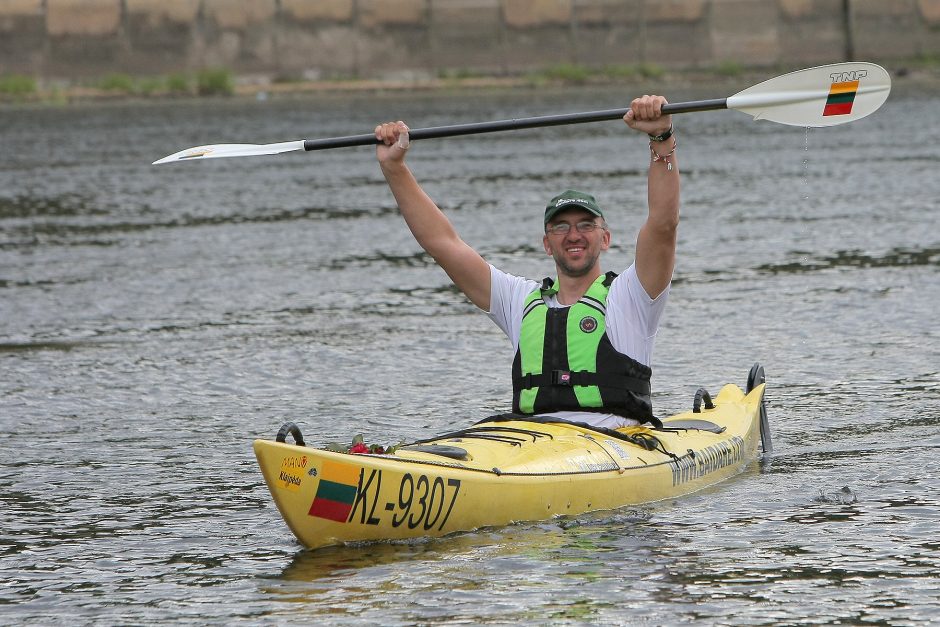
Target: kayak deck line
[(521, 469), (498, 472), (483, 433), (641, 437)]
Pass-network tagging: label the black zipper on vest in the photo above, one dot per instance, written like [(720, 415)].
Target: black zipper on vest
[(557, 319)]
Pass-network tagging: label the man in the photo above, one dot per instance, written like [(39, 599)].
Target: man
[(583, 344)]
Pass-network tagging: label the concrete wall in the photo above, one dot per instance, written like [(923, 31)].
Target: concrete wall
[(401, 38)]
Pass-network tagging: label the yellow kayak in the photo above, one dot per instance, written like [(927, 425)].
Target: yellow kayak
[(504, 470)]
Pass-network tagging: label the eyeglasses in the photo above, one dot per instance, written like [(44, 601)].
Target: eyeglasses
[(563, 228)]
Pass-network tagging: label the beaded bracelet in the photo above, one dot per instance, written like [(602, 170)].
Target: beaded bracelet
[(655, 156)]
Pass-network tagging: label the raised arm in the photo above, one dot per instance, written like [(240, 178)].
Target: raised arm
[(656, 243), (434, 232)]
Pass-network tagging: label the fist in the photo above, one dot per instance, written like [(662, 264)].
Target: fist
[(646, 115)]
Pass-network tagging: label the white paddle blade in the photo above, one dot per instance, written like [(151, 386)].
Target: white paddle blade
[(218, 151), (819, 96)]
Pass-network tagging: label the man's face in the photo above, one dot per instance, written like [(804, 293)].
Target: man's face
[(576, 252)]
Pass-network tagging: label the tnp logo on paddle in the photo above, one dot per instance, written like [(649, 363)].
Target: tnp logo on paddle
[(844, 77)]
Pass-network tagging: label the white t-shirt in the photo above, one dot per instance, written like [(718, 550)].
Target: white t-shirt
[(632, 321)]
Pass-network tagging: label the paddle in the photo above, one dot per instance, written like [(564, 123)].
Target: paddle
[(821, 96)]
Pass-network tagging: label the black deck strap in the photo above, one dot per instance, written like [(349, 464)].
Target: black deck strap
[(452, 452), (535, 435), (547, 420), (690, 425), (470, 432), (651, 443), (505, 439), (656, 422)]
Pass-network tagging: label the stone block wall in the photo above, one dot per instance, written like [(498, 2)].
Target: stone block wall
[(426, 38)]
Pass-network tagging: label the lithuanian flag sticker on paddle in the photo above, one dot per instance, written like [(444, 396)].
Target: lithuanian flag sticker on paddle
[(841, 97), (336, 492)]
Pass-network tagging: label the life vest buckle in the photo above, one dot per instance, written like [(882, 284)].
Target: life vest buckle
[(562, 377)]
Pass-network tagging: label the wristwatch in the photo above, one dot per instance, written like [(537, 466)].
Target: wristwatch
[(662, 137)]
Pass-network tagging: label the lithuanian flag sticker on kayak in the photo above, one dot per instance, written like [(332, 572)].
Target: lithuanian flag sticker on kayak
[(336, 492), (841, 97)]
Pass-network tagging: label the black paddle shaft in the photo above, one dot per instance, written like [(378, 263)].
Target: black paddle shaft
[(512, 125)]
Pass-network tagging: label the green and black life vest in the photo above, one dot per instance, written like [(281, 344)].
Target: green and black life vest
[(565, 360)]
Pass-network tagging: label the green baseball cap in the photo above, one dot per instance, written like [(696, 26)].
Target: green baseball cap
[(572, 198)]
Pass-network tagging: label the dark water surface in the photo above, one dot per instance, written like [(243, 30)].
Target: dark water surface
[(155, 320)]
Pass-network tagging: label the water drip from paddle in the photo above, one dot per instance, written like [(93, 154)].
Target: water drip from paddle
[(806, 164)]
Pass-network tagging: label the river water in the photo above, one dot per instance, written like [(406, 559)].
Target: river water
[(155, 320)]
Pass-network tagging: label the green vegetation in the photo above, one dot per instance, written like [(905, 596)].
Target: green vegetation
[(619, 72), (124, 84), (579, 74), (149, 86), (215, 82), (209, 82), (120, 83), (567, 72), (650, 70), (457, 74), (729, 68), (177, 84), (17, 87)]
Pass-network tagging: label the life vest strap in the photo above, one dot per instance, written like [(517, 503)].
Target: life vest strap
[(567, 378)]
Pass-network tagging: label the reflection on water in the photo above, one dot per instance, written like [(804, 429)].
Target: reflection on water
[(153, 321)]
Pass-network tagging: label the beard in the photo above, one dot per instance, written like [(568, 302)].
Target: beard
[(583, 268)]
